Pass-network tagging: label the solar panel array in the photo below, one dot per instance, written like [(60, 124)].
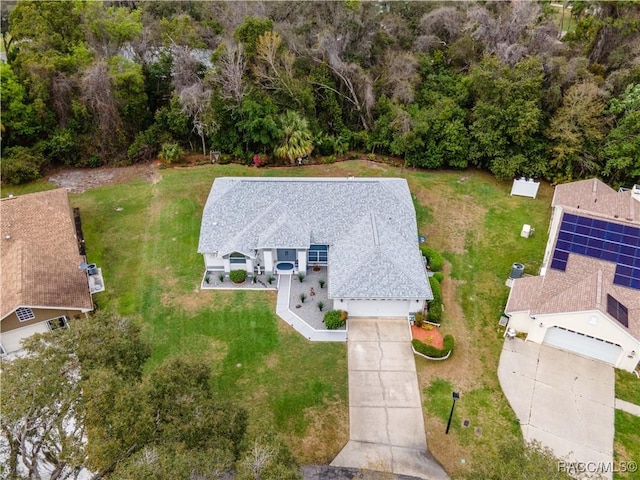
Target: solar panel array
[(609, 241)]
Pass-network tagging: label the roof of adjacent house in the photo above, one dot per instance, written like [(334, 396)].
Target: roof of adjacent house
[(40, 256), (595, 198), (370, 224), (583, 286), (586, 282)]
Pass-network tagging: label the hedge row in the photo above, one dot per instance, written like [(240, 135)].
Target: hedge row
[(434, 259), (435, 306), (431, 351)]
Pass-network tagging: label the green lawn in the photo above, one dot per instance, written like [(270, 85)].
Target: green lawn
[(627, 446), (145, 237)]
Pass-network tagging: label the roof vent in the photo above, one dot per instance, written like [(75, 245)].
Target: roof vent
[(7, 237)]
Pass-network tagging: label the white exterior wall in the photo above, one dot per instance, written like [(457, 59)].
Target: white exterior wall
[(268, 261), (11, 340), (213, 262), (378, 307), (301, 256), (554, 226), (593, 323)]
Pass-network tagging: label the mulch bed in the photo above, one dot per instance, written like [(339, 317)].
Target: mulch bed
[(430, 337)]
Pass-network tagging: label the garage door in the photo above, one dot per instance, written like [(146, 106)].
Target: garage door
[(378, 308), (11, 340), (583, 345)]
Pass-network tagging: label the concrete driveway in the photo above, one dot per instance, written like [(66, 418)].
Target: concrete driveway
[(386, 426), (563, 400)]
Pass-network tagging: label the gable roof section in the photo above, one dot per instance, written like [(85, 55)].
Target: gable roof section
[(593, 197), (40, 259), (245, 214)]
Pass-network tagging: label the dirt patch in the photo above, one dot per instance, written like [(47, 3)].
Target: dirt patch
[(456, 216), (78, 180)]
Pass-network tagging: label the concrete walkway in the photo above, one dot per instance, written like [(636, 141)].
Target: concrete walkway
[(563, 400), (310, 333), (628, 407), (386, 426)]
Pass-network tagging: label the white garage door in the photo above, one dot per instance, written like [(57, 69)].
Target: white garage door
[(11, 340), (583, 345), (378, 308)]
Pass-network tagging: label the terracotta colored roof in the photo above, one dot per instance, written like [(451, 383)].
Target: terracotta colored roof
[(39, 253), (595, 198), (583, 286)]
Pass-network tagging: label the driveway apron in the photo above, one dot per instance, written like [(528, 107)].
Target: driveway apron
[(386, 426), (563, 400)]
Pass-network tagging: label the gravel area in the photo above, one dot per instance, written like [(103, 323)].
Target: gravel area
[(308, 310)]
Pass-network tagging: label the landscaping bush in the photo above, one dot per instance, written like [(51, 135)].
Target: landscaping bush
[(434, 314), (439, 276), (21, 165), (238, 276), (419, 319), (431, 351), (171, 152), (335, 319), (434, 259)]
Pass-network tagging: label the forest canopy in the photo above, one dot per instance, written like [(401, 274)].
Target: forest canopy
[(496, 85)]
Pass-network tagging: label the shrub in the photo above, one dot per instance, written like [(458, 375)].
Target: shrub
[(333, 319), (435, 306), (260, 160), (439, 276), (301, 276), (270, 279), (21, 165), (343, 315), (303, 297), (238, 276), (434, 259), (321, 282), (221, 276), (430, 350), (320, 305), (170, 152), (419, 319)]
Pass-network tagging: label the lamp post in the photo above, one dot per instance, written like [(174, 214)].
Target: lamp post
[(456, 396)]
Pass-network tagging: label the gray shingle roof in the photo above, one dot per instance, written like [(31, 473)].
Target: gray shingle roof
[(369, 223)]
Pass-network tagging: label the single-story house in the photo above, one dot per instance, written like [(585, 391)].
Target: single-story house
[(43, 285), (587, 297), (363, 230)]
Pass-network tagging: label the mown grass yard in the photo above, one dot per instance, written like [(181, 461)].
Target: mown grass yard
[(144, 235)]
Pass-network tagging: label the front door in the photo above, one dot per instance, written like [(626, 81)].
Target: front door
[(286, 255)]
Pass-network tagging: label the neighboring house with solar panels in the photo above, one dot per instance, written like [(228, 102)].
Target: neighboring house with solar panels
[(42, 284), (363, 230), (587, 297)]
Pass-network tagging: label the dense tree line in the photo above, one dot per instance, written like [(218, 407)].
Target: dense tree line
[(441, 85)]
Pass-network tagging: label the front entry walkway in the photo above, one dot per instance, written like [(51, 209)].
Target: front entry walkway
[(386, 426)]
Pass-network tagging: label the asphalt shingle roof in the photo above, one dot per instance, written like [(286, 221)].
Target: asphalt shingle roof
[(369, 223), (40, 257)]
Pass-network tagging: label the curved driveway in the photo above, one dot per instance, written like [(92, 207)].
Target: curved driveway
[(386, 426)]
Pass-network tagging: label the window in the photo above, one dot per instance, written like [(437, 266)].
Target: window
[(25, 314), (56, 323), (617, 310), (236, 257), (318, 253)]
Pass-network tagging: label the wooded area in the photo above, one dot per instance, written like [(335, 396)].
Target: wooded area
[(440, 85)]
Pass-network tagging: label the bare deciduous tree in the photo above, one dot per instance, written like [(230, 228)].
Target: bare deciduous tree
[(401, 76), (97, 94), (354, 79), (61, 95), (195, 101), (230, 71), (443, 23)]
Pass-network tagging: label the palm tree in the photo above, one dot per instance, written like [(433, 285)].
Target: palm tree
[(297, 141)]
